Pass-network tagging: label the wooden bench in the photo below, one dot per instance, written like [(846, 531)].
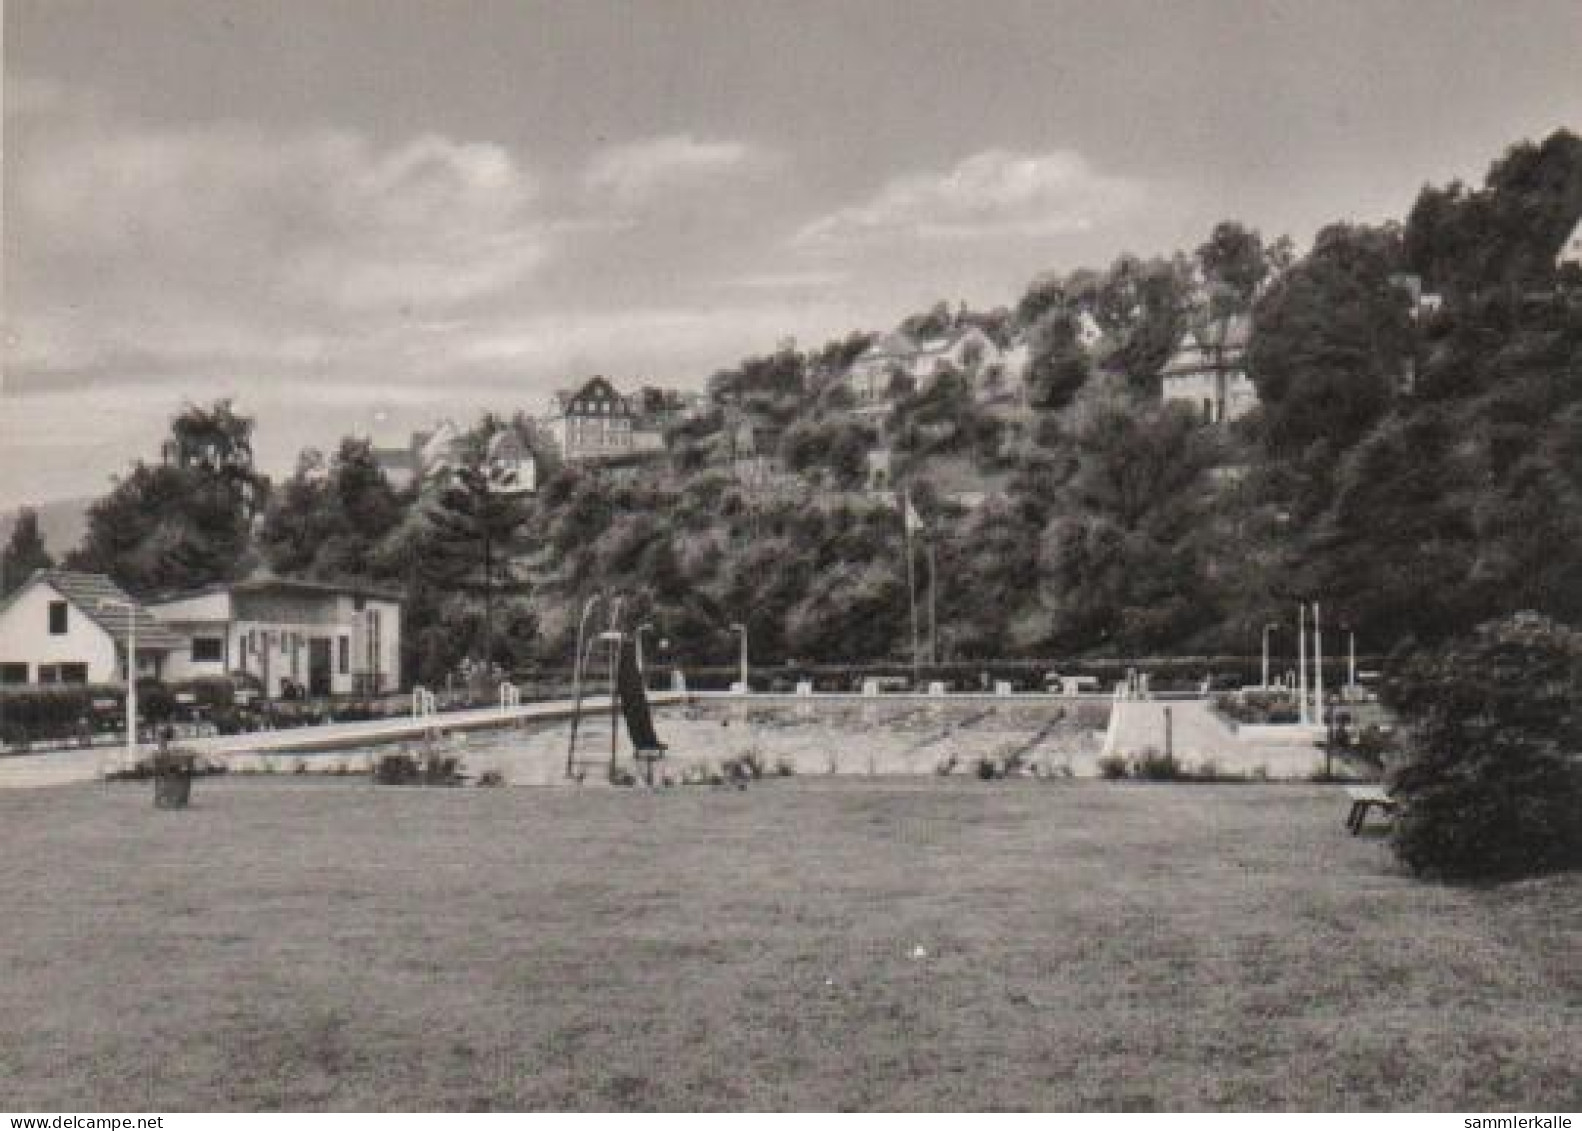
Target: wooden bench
[(1363, 799)]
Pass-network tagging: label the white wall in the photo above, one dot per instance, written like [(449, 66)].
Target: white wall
[(1239, 397), (25, 637), (341, 619), (179, 664)]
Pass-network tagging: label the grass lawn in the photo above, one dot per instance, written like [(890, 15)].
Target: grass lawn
[(328, 944)]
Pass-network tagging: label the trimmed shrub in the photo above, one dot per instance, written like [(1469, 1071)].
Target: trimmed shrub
[(1113, 767), (1151, 765), (1257, 707), (1491, 786)]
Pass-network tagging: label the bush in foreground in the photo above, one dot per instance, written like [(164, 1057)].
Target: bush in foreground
[(1492, 783)]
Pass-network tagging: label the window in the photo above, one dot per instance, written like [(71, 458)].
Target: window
[(343, 649), (13, 673), (208, 650), (63, 673), (57, 618)]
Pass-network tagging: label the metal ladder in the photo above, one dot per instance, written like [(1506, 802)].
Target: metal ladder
[(581, 752)]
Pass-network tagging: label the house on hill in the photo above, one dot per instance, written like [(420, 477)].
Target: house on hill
[(1209, 370), (432, 455), (1570, 254), (319, 638), (67, 627), (917, 361), (426, 455), (595, 422)]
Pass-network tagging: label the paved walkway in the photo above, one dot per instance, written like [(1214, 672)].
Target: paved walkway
[(59, 767), (1198, 735)]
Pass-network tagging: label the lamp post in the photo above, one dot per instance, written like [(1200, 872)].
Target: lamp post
[(131, 675), (1301, 663), (1267, 629), (1318, 662), (742, 628), (637, 637)]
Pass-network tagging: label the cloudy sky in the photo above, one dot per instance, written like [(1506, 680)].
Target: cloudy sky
[(360, 215)]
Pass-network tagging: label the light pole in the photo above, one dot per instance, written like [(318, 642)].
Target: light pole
[(1318, 662), (742, 628), (131, 675), (637, 636), (1267, 629), (1301, 663)]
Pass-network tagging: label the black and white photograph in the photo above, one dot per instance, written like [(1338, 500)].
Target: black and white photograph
[(790, 556)]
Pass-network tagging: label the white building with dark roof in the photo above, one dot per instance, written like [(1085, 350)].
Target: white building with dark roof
[(1209, 370), (67, 627), (596, 422)]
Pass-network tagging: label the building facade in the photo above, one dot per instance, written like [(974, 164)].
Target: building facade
[(898, 361), (596, 422), (1208, 370), (68, 627), (293, 636)]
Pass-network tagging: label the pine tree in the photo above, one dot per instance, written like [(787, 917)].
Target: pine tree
[(24, 553)]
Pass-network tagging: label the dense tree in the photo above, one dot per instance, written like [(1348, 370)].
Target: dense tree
[(1236, 264), (774, 385), (1121, 557), (832, 448), (1058, 365), (329, 522), (1463, 241), (1493, 782), (1332, 342), (24, 552), (186, 521), (469, 540), (1142, 306)]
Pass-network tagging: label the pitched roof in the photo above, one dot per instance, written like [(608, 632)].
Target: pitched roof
[(1571, 249), (1218, 344), (87, 590), (594, 388)]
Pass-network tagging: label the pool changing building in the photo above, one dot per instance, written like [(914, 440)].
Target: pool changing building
[(315, 638)]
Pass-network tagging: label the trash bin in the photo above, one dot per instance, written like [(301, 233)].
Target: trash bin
[(173, 780)]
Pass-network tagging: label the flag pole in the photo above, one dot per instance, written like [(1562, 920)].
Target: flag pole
[(933, 604), (911, 576)]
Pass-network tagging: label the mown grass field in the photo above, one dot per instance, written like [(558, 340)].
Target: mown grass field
[(297, 943)]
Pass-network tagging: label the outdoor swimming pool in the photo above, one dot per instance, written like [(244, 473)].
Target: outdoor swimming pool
[(844, 736)]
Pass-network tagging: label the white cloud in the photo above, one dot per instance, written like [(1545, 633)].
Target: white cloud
[(989, 194), (787, 280), (635, 172), (313, 218), (231, 248)]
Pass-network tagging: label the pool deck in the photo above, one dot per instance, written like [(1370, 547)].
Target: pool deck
[(61, 767)]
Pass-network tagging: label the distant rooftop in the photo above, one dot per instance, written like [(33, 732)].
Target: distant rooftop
[(87, 590)]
